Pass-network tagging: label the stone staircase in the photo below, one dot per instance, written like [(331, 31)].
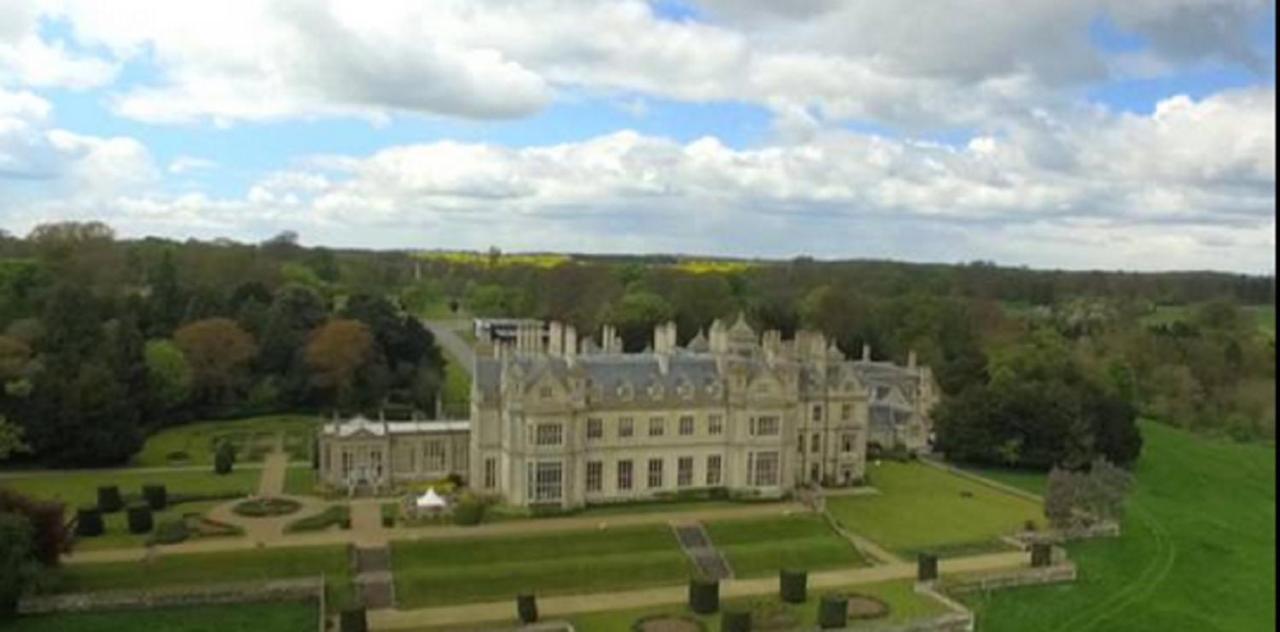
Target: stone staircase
[(698, 547), (373, 578)]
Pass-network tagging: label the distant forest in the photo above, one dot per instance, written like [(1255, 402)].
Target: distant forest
[(104, 339)]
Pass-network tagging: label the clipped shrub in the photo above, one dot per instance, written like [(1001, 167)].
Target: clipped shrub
[(89, 522), (833, 611), (793, 585), (704, 595), (339, 515), (527, 608), (1041, 554), (157, 496), (224, 458), (266, 507), (140, 520), (353, 620), (926, 567), (170, 532), (735, 621), (109, 499), (468, 512)]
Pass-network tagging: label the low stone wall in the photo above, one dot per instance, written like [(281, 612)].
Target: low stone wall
[(950, 622), (1108, 529), (1058, 573), (302, 589)]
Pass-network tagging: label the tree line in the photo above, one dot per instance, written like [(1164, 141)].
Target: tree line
[(104, 340)]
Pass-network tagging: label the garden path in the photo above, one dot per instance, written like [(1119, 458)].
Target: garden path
[(565, 605), (274, 466), (697, 545)]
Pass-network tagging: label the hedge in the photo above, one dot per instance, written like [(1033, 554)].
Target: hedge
[(89, 521), (140, 520), (527, 608), (704, 595), (792, 586), (109, 499), (157, 496), (833, 611)]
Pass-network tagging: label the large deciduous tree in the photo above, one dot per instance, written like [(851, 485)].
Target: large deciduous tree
[(335, 353), (218, 352), (168, 374)]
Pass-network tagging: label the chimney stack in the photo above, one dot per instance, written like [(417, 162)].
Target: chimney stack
[(570, 342), (911, 359), (866, 353), (555, 342)]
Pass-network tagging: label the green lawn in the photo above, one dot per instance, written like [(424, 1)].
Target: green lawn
[(923, 508), (300, 481), (1198, 550), (457, 388), (904, 605), (440, 572), (194, 443), (77, 488), (204, 568), (265, 617), (762, 547)]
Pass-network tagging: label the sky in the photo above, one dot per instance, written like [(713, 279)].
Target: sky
[(1091, 134)]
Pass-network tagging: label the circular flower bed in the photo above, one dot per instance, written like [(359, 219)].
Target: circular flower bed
[(866, 607), (772, 617), (266, 507), (667, 623)]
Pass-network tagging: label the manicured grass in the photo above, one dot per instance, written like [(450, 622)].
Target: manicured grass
[(441, 572), (204, 568), (1198, 550), (77, 488), (264, 617), (300, 481), (762, 547), (923, 508), (253, 437), (457, 387), (904, 605)]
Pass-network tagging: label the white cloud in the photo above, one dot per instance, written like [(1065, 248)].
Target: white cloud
[(921, 65), (28, 59), (188, 164), (1188, 186)]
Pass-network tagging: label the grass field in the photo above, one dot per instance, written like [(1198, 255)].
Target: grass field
[(761, 547), (273, 617), (432, 573), (922, 508), (193, 444), (484, 260), (205, 568), (1198, 550), (904, 605), (300, 481)]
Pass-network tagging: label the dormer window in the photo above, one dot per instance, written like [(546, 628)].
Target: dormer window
[(545, 392), (655, 391), (624, 391)]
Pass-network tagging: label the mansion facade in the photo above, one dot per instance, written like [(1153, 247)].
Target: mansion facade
[(560, 421)]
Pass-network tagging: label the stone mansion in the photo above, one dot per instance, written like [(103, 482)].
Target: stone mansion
[(560, 421)]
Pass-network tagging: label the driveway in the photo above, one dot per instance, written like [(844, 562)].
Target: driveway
[(446, 333)]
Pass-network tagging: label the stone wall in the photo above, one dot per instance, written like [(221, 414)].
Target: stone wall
[(1058, 573), (1107, 529), (302, 589)]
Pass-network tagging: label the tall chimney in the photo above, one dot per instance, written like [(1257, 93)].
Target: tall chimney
[(555, 343), (911, 359), (866, 353), (570, 342)]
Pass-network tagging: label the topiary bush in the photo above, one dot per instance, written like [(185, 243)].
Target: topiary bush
[(353, 620), (157, 496), (109, 499), (926, 567), (704, 595), (735, 621), (469, 512), (833, 611), (224, 458), (792, 586), (527, 608), (140, 520), (89, 522)]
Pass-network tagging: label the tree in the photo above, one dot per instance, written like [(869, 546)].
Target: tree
[(168, 375), (635, 314), (336, 351), (18, 566), (1061, 491), (218, 352), (11, 440)]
